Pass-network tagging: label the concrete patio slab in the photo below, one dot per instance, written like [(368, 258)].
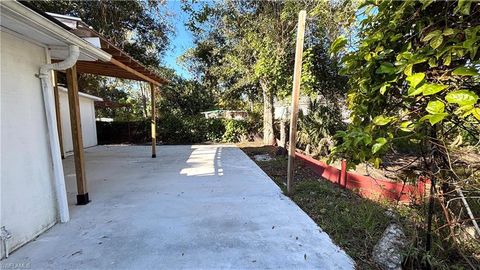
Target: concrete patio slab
[(193, 207)]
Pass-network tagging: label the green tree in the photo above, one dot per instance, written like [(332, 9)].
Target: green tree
[(138, 27), (252, 44), (414, 78)]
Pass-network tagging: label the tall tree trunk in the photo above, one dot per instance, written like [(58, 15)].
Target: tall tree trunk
[(268, 135)]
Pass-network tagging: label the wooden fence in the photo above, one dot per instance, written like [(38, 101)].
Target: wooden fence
[(367, 186)]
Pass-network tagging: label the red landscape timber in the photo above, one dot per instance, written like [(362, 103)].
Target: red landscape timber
[(366, 186)]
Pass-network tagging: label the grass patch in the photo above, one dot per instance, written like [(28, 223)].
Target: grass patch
[(356, 224), (353, 223)]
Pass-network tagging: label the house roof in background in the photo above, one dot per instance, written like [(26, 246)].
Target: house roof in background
[(82, 94)]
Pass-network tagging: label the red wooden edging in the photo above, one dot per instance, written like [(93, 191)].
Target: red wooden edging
[(366, 186)]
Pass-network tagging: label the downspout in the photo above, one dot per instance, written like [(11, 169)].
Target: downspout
[(47, 90)]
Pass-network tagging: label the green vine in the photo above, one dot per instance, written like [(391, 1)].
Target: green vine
[(415, 67)]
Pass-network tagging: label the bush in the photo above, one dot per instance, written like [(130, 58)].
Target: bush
[(317, 128), (235, 130), (123, 132), (174, 129), (197, 129), (255, 123), (215, 128)]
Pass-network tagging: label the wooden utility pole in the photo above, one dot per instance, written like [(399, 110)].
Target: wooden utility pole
[(153, 121), (57, 111), (77, 138), (297, 74)]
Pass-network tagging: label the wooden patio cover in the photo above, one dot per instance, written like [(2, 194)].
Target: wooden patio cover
[(121, 65)]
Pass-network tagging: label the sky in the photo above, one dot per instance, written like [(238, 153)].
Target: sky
[(181, 41)]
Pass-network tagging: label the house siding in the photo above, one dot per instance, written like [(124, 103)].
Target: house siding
[(27, 189), (87, 116)]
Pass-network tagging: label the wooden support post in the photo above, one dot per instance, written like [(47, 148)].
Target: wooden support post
[(297, 73), (343, 174), (283, 134), (75, 120), (153, 121), (57, 112)]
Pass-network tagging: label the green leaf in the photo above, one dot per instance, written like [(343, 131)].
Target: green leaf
[(448, 32), (414, 91), (408, 69), (377, 161), (368, 57), (384, 88), (378, 145), (463, 6), (447, 60), (433, 88), (407, 126), (462, 97), (476, 113), (381, 120), (415, 79), (338, 44), (432, 62), (468, 43), (465, 71), (425, 3), (431, 35), (435, 107), (435, 118), (464, 111), (436, 42), (386, 68)]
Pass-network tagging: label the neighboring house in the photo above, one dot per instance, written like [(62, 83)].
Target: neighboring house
[(282, 108), (33, 197), (226, 114), (87, 113)]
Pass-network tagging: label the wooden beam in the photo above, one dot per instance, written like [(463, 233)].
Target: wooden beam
[(105, 69), (57, 112), (75, 121), (153, 121), (131, 70), (113, 51), (124, 59), (297, 74)]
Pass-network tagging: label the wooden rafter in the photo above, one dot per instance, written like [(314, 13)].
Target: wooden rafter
[(120, 59)]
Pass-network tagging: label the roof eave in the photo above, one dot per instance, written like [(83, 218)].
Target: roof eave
[(30, 17)]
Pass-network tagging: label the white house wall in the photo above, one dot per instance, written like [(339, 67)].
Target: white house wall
[(27, 189), (87, 113)]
